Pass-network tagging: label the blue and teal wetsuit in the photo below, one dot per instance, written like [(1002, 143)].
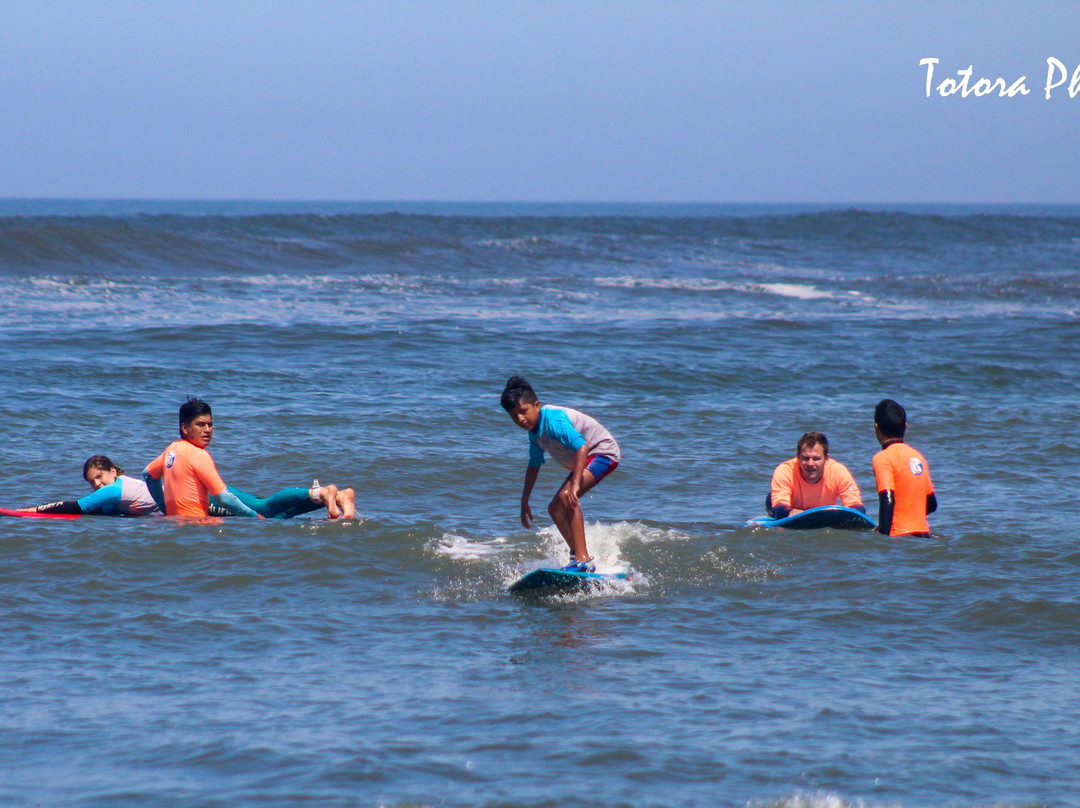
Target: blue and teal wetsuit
[(126, 496), (129, 496), (285, 504)]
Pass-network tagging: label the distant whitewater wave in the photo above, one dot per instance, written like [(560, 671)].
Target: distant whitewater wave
[(800, 291), (217, 242), (358, 269), (675, 284)]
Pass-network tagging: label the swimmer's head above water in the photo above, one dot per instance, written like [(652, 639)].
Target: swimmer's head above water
[(100, 471), (890, 419), (196, 422), (812, 451)]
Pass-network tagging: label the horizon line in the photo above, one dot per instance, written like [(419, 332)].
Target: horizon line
[(582, 202)]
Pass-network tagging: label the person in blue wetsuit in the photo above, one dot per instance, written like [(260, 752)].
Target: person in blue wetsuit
[(579, 443), (116, 494)]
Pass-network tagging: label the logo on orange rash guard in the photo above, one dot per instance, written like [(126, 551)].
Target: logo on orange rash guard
[(169, 458), (915, 465)]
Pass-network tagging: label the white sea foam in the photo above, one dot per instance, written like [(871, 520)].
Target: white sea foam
[(818, 800), (797, 290), (512, 244), (800, 291), (460, 547), (606, 543), (671, 284)]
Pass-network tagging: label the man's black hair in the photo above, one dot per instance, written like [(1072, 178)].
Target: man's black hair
[(890, 418), (192, 409)]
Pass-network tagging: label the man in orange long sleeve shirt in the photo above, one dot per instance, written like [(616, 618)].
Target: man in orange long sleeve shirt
[(811, 479)]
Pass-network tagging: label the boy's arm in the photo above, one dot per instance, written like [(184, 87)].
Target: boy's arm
[(62, 506), (105, 499), (531, 473), (571, 493)]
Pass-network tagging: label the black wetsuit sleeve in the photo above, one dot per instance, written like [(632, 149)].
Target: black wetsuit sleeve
[(886, 503), (931, 502), (860, 508), (63, 506)]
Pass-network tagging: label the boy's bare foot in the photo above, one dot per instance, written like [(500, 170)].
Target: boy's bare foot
[(346, 500), (328, 495)]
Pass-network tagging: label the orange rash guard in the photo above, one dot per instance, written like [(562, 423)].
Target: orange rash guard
[(789, 488), (901, 469), (190, 477)]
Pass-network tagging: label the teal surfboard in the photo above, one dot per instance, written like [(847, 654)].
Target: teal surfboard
[(836, 516), (562, 580)]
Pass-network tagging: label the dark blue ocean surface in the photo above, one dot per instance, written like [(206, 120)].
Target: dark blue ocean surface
[(379, 661)]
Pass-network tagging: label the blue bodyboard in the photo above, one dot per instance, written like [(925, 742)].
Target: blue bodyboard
[(836, 516), (562, 580)]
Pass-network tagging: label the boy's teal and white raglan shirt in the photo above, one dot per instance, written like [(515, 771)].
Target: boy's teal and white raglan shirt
[(562, 431)]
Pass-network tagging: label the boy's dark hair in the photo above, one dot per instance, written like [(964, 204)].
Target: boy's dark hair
[(192, 409), (99, 462), (890, 418), (813, 439), (517, 389)]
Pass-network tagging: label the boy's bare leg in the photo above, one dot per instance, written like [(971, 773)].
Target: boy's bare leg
[(570, 520), (564, 521)]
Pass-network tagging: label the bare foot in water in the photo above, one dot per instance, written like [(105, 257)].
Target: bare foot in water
[(346, 500), (328, 495)]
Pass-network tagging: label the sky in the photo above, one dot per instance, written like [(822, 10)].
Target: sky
[(726, 101)]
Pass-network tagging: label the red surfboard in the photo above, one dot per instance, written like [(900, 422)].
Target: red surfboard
[(32, 515)]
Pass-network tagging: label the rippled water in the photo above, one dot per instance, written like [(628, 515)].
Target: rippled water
[(379, 661)]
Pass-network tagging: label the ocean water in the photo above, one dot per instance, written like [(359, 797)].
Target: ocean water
[(379, 661)]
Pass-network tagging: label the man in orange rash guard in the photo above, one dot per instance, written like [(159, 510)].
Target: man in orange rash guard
[(187, 470), (905, 491), (811, 479)]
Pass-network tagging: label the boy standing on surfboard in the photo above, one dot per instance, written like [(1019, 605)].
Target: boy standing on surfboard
[(811, 479), (579, 443), (905, 491)]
